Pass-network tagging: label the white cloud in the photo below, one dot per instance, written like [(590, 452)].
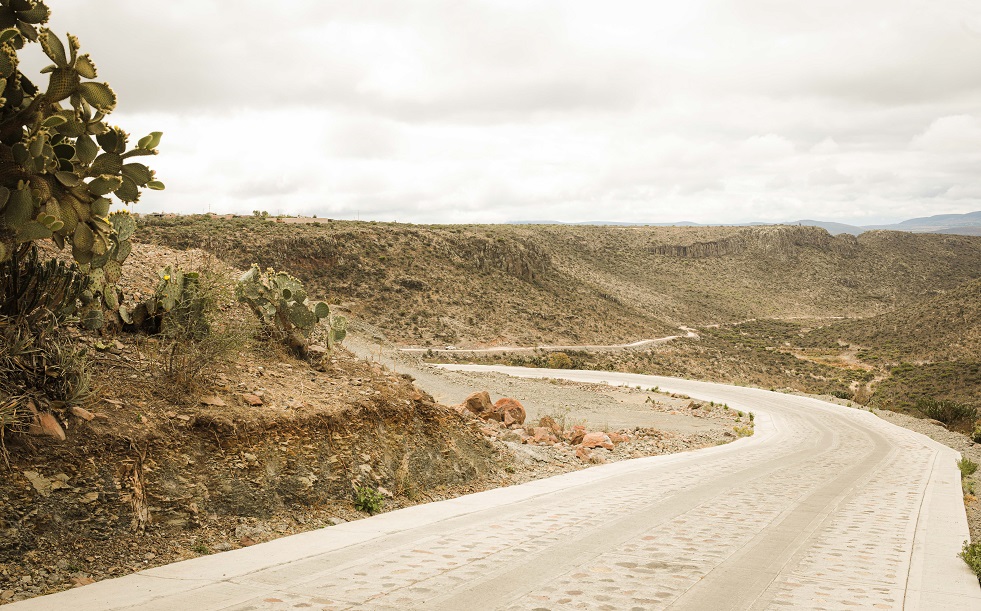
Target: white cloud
[(494, 110), (953, 134)]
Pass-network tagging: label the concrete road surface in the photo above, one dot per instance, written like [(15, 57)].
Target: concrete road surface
[(825, 507)]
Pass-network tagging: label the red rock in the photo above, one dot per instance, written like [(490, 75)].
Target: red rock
[(575, 435), (253, 400), (618, 438), (47, 424), (550, 423), (212, 400), (82, 581), (479, 403), (543, 435), (583, 454), (508, 407), (82, 413), (597, 440)]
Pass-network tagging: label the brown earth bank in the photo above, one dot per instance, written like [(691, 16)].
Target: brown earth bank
[(148, 481)]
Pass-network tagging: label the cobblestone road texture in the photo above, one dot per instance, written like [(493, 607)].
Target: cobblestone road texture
[(825, 507)]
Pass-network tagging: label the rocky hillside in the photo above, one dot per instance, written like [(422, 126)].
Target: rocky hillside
[(528, 284), (945, 326)]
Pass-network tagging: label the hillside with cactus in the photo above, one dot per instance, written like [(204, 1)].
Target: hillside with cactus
[(477, 285), (884, 317)]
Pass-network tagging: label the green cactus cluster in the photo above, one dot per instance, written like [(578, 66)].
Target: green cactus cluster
[(59, 163), (35, 291), (176, 294), (104, 274), (280, 302)]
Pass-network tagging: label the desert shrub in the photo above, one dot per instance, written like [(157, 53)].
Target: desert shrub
[(34, 291), (559, 360), (367, 499), (199, 333), (976, 432), (950, 413), (41, 369), (967, 466), (971, 554), (842, 394)]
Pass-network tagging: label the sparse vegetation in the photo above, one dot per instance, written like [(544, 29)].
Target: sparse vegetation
[(971, 554), (967, 467), (368, 500), (42, 368), (197, 333), (200, 548), (950, 413)]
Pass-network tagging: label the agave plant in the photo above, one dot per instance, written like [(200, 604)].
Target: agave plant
[(59, 158)]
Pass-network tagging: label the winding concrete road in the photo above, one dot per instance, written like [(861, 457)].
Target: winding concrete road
[(825, 507), (643, 343)]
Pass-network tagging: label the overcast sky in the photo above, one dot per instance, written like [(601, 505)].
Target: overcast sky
[(489, 111)]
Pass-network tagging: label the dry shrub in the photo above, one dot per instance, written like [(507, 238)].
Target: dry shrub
[(203, 332), (950, 413), (39, 367)]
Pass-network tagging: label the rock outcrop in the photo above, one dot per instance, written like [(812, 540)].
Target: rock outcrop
[(510, 411)]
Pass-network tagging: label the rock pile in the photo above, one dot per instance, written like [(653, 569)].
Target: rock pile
[(505, 420), (507, 411)]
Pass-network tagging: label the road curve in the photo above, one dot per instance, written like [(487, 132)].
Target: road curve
[(825, 507), (643, 343)]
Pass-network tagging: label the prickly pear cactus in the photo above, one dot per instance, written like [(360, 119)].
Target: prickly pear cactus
[(280, 301), (168, 292), (59, 159), (338, 331), (176, 294)]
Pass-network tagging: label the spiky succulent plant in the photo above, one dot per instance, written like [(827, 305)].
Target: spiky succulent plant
[(280, 301), (59, 164)]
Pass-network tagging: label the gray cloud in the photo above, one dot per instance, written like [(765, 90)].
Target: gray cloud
[(715, 110)]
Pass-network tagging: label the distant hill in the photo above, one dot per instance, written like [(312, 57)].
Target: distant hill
[(974, 231), (951, 224), (941, 223), (572, 284), (943, 326), (832, 227)]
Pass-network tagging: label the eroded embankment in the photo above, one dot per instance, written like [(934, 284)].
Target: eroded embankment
[(148, 483)]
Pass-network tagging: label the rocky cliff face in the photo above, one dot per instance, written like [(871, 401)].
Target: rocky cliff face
[(774, 241), (519, 258)]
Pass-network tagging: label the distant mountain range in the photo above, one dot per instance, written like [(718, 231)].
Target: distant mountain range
[(957, 224)]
